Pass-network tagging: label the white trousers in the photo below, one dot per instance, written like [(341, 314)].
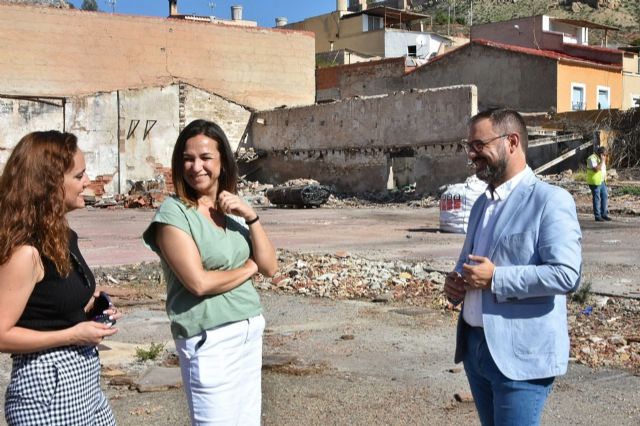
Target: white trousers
[(221, 372)]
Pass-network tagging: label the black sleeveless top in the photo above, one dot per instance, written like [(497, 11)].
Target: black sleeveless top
[(58, 302)]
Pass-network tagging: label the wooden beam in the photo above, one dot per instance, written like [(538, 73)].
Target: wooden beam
[(562, 157), (554, 139)]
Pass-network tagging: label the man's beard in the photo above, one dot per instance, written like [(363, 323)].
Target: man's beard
[(493, 174)]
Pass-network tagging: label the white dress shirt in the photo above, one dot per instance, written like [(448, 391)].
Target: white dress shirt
[(482, 242)]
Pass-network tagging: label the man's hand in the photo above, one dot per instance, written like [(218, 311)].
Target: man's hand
[(454, 288), (603, 160), (479, 274)]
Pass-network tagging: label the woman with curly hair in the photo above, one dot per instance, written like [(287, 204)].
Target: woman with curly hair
[(46, 289)]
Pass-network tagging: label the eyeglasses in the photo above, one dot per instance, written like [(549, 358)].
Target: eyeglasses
[(477, 145)]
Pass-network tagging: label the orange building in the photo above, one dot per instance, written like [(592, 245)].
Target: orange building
[(588, 86), (526, 79)]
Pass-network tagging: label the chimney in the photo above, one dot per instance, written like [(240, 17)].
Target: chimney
[(281, 21), (341, 5), (236, 13), (173, 7)]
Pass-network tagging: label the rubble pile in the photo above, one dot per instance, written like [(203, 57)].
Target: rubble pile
[(392, 199), (148, 193), (246, 155), (619, 204), (254, 192), (606, 332), (567, 181), (151, 193), (139, 274), (345, 276)]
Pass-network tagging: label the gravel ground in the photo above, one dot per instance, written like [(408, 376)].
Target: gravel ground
[(362, 363)]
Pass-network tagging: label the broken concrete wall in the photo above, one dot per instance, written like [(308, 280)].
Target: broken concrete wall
[(351, 143), (94, 120), (149, 126), (21, 116), (231, 117), (361, 79), (127, 135), (152, 118)]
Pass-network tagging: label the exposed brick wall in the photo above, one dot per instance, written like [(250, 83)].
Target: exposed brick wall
[(55, 52), (166, 173), (97, 185), (327, 78)]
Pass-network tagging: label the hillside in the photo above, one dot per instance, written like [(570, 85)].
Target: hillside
[(622, 14)]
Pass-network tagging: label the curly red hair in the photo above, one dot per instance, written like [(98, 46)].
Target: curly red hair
[(32, 197)]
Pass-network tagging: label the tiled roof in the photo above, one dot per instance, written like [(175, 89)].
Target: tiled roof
[(551, 54)]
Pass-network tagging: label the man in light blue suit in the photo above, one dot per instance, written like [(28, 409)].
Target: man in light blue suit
[(521, 256)]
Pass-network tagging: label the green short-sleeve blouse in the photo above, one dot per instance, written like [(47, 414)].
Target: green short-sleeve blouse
[(219, 250)]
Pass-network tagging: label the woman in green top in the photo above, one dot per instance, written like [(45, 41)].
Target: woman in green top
[(211, 243)]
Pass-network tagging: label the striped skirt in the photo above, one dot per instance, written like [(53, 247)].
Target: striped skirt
[(59, 386)]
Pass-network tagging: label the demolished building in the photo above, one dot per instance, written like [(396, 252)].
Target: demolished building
[(126, 85)]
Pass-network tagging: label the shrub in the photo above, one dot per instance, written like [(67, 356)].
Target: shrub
[(582, 294), (628, 190), (149, 354), (441, 18), (580, 175)]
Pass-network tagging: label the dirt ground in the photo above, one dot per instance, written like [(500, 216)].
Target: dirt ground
[(356, 361)]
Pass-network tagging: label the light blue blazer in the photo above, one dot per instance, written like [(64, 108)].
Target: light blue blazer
[(537, 252)]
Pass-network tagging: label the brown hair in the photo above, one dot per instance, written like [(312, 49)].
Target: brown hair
[(32, 197), (505, 121), (228, 180)]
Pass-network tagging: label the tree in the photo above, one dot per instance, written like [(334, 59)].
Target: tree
[(635, 12), (91, 5)]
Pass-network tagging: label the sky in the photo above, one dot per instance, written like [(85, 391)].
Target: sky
[(263, 11)]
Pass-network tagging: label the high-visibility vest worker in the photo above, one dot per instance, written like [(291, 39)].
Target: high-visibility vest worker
[(596, 168)]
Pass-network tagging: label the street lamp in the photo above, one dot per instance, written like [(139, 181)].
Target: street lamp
[(212, 5)]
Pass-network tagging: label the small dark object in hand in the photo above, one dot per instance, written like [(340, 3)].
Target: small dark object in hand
[(101, 304)]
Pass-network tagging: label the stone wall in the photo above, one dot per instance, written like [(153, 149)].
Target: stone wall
[(352, 143), (503, 78)]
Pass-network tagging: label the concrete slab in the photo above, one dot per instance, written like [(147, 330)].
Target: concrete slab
[(114, 354), (158, 379)]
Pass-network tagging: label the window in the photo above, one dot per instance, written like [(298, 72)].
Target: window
[(373, 23), (604, 101), (412, 51), (635, 101), (578, 101)]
